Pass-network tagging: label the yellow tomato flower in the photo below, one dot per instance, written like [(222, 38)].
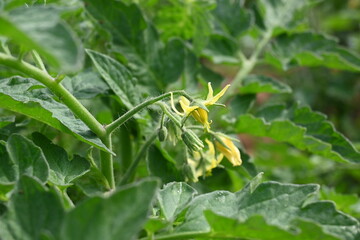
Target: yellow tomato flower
[(203, 162), (200, 114), (228, 148)]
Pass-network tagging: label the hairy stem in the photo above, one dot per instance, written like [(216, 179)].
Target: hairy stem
[(121, 120)]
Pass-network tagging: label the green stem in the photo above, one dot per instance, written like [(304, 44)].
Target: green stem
[(107, 167), (248, 65), (67, 98), (38, 61), (130, 171), (121, 120), (172, 117)]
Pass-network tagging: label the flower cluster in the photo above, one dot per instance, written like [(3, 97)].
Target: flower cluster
[(202, 159)]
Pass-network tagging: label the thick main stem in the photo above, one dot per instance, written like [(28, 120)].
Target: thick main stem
[(67, 98)]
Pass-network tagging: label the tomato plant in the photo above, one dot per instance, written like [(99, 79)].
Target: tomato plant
[(179, 119)]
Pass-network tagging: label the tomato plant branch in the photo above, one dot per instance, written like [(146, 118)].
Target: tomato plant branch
[(122, 119), (67, 98), (248, 64)]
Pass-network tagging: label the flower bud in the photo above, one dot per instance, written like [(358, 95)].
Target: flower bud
[(191, 140), (162, 133)]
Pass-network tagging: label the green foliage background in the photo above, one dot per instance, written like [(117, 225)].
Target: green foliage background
[(294, 104)]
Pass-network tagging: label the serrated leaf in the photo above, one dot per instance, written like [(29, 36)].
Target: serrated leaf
[(62, 170), (279, 205), (41, 28), (221, 49), (276, 202), (119, 216), (258, 84), (174, 197), (26, 158), (24, 96), (32, 211), (257, 228), (305, 129), (311, 49), (8, 174), (281, 14), (117, 77), (334, 222), (4, 121)]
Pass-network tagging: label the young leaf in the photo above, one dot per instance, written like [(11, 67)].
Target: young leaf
[(26, 96), (62, 170), (26, 158), (119, 216), (41, 28), (257, 228), (174, 197), (311, 49), (301, 127), (117, 77), (32, 211), (258, 84)]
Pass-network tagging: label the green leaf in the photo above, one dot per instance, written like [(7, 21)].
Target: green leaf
[(332, 221), (231, 17), (174, 197), (85, 85), (276, 202), (24, 96), (8, 173), (117, 77), (222, 49), (258, 84), (279, 205), (26, 158), (161, 166), (138, 42), (311, 49), (257, 228), (121, 215), (4, 121), (281, 15), (305, 129), (41, 28), (62, 170), (32, 211)]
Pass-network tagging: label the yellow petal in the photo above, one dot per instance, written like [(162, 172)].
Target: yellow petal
[(211, 100), (201, 116), (185, 105), (210, 93), (231, 152)]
